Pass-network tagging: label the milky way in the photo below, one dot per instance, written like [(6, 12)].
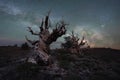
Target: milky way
[(97, 20)]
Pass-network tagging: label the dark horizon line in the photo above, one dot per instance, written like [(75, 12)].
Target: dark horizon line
[(59, 48)]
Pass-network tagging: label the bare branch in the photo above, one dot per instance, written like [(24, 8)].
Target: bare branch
[(46, 22), (82, 42), (41, 27), (31, 31), (28, 40), (31, 42), (57, 32)]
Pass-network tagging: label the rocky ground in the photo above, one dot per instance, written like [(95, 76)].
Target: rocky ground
[(91, 64)]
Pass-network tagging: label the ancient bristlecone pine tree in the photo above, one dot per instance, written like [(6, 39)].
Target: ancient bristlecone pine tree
[(73, 43), (42, 46)]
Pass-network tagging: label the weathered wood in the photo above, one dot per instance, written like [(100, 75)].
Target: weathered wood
[(72, 43), (42, 46)]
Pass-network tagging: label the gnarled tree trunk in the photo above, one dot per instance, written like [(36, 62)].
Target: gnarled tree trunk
[(72, 43), (42, 46)]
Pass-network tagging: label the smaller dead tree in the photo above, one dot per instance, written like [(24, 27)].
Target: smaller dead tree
[(73, 43), (42, 46)]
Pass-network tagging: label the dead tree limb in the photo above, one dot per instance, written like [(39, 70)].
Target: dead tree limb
[(42, 46)]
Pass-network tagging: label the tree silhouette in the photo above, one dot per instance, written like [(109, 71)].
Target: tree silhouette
[(25, 46), (42, 46), (72, 43)]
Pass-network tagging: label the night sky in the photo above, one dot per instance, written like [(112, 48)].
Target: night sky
[(97, 20)]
